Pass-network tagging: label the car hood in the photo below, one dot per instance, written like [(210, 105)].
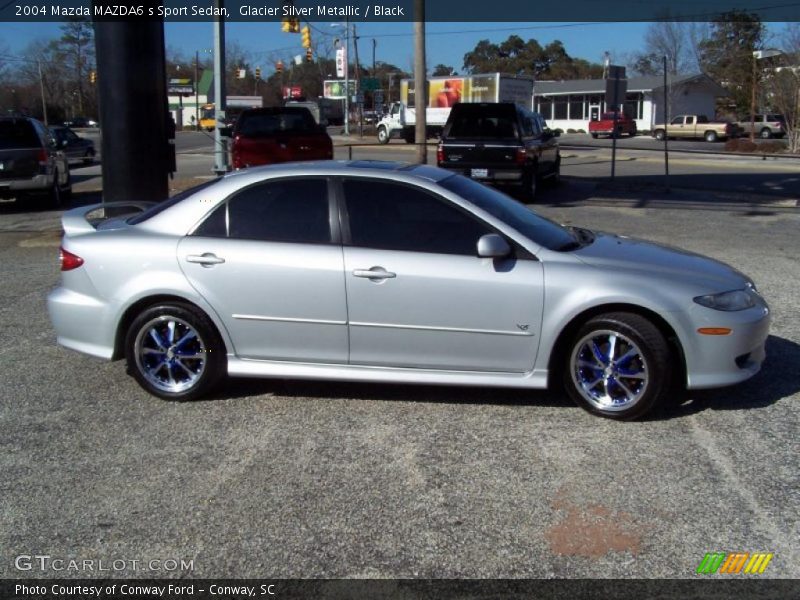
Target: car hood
[(660, 261)]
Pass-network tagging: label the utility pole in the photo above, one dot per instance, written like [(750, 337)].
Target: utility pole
[(347, 76), (197, 89), (220, 142), (420, 84), (360, 105), (41, 88)]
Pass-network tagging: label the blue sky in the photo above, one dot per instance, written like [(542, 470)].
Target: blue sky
[(446, 42)]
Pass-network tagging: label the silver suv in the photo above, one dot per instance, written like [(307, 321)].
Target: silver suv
[(30, 162), (765, 126)]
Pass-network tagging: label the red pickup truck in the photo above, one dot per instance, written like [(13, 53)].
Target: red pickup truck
[(605, 126)]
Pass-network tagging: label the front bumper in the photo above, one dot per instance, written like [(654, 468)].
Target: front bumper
[(721, 360)]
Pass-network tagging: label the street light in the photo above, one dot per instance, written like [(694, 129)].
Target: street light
[(757, 55)]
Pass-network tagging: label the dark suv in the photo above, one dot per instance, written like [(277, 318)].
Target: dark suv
[(30, 161), (264, 136), (499, 143)]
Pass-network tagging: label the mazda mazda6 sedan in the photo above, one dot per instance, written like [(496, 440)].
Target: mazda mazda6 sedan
[(389, 272)]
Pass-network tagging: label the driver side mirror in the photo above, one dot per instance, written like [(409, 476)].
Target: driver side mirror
[(492, 245)]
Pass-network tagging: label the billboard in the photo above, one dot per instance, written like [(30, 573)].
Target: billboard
[(334, 88)]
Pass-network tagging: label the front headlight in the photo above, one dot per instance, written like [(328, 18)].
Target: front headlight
[(727, 301)]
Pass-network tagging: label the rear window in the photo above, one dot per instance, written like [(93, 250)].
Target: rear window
[(702, 119), (481, 121), (18, 134), (260, 124), (779, 118), (162, 206)]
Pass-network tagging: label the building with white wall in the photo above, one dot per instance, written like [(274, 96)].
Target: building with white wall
[(572, 104)]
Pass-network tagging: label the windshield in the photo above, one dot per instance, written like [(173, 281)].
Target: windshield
[(476, 121), (295, 120), (533, 226), (17, 134)]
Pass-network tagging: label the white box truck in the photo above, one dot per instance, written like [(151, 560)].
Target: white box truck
[(443, 93)]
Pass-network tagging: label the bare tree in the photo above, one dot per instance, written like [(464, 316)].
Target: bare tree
[(783, 85), (665, 38)]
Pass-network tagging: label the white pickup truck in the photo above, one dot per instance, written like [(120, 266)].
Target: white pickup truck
[(443, 93)]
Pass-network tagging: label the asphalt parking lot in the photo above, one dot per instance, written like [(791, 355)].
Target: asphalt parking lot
[(312, 479)]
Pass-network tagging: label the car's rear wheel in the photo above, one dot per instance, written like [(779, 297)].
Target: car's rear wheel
[(54, 194), (766, 134), (174, 352), (618, 366), (711, 136), (88, 158), (530, 184)]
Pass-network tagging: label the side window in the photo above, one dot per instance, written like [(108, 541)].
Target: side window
[(527, 126), (677, 121), (290, 210), (690, 120), (394, 216)]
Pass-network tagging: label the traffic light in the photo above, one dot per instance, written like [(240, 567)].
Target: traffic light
[(306, 36), (258, 72), (286, 25), (279, 67), (295, 25), (309, 55), (92, 76)]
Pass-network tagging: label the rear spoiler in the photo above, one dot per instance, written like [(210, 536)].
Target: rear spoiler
[(82, 220)]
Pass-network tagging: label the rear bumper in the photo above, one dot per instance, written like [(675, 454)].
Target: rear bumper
[(37, 183), (493, 175), (81, 322)]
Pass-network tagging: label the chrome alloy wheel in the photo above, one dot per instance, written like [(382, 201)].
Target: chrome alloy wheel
[(170, 354), (609, 370)]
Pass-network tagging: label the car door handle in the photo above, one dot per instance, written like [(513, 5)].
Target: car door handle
[(207, 259), (375, 273)]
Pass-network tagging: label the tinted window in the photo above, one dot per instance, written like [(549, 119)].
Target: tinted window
[(535, 227), (702, 119), (492, 121), (291, 210), (162, 206), (393, 216), (264, 124), (18, 134), (215, 224), (677, 121), (690, 120)]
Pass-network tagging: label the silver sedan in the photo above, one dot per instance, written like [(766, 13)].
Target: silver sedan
[(386, 272)]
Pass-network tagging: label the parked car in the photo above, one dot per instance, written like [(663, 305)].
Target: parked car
[(30, 162), (81, 122), (74, 146), (500, 143), (765, 126), (697, 127), (264, 136), (605, 125), (389, 272)]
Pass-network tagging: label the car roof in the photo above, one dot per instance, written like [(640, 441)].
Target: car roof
[(344, 168)]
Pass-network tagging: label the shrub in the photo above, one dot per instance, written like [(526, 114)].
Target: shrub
[(581, 131), (772, 147), (571, 131), (740, 145)]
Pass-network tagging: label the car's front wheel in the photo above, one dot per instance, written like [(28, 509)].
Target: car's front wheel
[(383, 135), (618, 366), (174, 352)]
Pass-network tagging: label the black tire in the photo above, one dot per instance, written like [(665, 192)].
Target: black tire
[(530, 184), (659, 135), (383, 135), (555, 178), (594, 135), (653, 357), (54, 194), (711, 136), (206, 343), (766, 134), (88, 158)]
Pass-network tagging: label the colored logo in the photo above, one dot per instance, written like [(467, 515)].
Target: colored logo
[(734, 563)]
